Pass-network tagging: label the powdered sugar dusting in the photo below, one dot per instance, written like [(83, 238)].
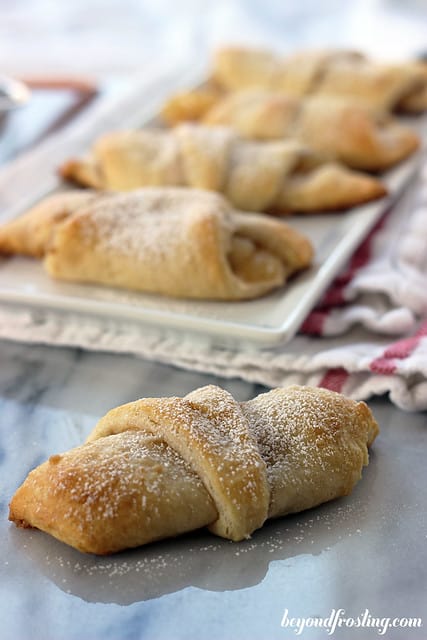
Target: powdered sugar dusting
[(149, 223), (209, 430), (170, 459), (205, 562), (316, 449), (123, 486)]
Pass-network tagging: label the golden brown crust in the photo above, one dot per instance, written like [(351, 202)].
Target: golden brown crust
[(208, 430), (414, 101), (355, 136), (253, 175), (85, 172), (31, 233), (105, 496), (328, 73), (177, 242), (317, 449), (330, 187), (159, 467), (256, 113), (189, 106), (341, 131), (236, 68)]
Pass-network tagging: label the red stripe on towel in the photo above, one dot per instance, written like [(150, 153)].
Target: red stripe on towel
[(334, 379), (360, 258), (314, 322), (383, 366), (363, 253), (334, 296), (399, 350)]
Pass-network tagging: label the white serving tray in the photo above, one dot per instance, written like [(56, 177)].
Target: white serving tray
[(271, 320)]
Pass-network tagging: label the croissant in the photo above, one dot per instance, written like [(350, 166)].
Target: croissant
[(174, 241), (333, 73), (333, 127), (159, 467), (280, 176)]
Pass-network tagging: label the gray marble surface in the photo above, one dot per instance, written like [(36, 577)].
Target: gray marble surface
[(364, 552)]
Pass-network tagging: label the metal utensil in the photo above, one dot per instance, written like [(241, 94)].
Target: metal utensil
[(13, 94)]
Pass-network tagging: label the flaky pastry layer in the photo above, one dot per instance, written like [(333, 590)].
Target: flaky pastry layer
[(159, 467)]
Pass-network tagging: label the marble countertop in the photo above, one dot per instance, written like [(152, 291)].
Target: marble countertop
[(364, 552)]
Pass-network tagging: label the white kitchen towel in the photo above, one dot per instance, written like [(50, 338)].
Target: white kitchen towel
[(357, 364), (368, 336), (384, 285)]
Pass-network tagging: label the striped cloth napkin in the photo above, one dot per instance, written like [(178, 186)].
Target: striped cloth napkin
[(383, 289)]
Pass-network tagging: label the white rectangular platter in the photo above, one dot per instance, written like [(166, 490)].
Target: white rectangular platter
[(271, 320)]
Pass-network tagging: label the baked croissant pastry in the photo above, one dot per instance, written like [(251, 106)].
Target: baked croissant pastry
[(330, 73), (159, 467), (333, 127), (282, 176), (178, 242)]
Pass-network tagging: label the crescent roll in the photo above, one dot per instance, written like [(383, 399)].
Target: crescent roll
[(178, 242), (334, 127), (281, 176), (333, 73), (160, 467)]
